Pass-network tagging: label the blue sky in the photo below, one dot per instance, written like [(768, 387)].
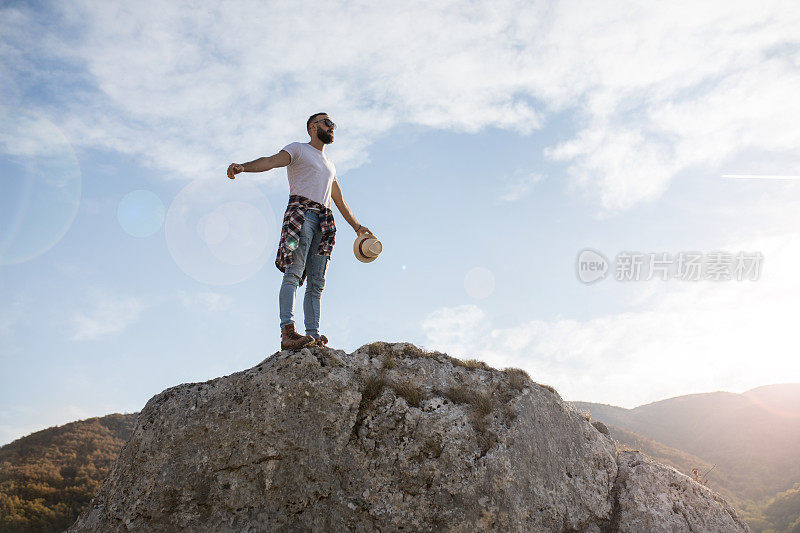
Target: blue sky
[(486, 144)]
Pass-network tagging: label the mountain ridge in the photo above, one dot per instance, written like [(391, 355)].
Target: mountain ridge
[(752, 437)]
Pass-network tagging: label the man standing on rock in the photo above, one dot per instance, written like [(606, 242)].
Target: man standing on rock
[(308, 231)]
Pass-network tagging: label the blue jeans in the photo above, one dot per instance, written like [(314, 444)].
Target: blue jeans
[(305, 256)]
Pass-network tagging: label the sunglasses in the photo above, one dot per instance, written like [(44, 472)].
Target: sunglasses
[(328, 123)]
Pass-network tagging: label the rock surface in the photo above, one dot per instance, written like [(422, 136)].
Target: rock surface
[(679, 504), (387, 438)]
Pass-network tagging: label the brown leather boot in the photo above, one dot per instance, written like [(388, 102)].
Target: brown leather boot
[(322, 341), (291, 340)]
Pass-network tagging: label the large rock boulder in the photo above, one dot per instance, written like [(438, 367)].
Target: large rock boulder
[(387, 438)]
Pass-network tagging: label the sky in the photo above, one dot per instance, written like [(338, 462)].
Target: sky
[(487, 145)]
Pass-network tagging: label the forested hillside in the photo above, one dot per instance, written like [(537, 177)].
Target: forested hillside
[(48, 477)]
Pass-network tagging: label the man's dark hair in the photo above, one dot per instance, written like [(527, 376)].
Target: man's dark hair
[(312, 117)]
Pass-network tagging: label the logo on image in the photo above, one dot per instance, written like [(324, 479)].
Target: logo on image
[(591, 266)]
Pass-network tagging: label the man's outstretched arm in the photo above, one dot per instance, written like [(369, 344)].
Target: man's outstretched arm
[(344, 209), (262, 164)]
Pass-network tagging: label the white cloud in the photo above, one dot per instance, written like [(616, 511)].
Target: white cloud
[(207, 301), (658, 88), (29, 134), (459, 329), (518, 186), (687, 337), (106, 315), (622, 166)]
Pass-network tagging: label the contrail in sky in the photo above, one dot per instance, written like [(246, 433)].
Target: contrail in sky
[(760, 177)]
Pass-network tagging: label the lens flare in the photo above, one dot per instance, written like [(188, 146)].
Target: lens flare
[(40, 180), (220, 232), (479, 282), (140, 213), (213, 228), (236, 233)]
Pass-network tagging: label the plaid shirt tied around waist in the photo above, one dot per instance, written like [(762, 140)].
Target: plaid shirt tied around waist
[(290, 231)]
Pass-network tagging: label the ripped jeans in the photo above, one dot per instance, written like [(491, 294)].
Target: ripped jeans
[(305, 256)]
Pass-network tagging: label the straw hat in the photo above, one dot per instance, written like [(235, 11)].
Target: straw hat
[(367, 248)]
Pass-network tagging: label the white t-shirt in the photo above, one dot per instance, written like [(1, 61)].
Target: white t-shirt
[(310, 173)]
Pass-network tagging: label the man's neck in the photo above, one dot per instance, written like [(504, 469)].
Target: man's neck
[(319, 145)]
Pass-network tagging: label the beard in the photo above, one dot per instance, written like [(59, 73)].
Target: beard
[(324, 136)]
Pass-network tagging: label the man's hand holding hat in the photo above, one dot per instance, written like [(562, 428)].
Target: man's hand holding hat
[(363, 230)]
